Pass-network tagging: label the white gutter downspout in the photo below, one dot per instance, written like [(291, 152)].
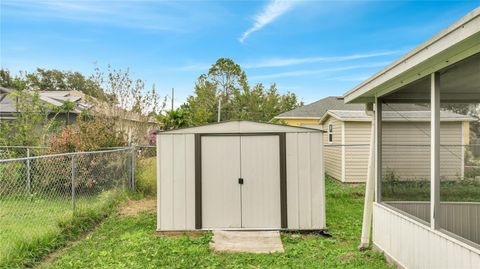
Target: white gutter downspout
[(370, 185)]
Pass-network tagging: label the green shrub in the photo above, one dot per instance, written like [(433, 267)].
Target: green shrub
[(88, 135)]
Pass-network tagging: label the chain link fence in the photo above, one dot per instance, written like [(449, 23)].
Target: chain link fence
[(10, 152), (38, 193), (144, 161)]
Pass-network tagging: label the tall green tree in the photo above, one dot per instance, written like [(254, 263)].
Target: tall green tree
[(12, 82), (227, 82), (203, 104), (174, 119), (228, 78)]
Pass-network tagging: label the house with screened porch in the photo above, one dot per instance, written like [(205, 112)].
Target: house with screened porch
[(432, 223)]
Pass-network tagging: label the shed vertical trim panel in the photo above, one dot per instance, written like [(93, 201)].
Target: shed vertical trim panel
[(305, 206), (343, 153), (292, 180), (198, 181), (318, 183), (159, 180), (283, 181), (179, 185), (166, 183), (190, 180)]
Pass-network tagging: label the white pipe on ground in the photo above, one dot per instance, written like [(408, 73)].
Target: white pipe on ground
[(369, 186)]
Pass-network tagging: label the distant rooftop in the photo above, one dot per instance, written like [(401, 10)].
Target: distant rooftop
[(336, 107), (319, 108)]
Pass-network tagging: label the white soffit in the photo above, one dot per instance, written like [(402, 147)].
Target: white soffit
[(459, 41)]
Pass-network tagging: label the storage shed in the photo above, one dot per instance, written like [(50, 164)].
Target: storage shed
[(240, 175), (348, 132)]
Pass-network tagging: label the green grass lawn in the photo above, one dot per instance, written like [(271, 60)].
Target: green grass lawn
[(131, 242), (32, 227)]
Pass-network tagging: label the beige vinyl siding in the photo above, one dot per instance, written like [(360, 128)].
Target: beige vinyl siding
[(357, 137), (333, 151), (406, 150)]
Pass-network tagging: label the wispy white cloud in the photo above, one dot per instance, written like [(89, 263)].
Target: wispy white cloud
[(286, 62), (306, 72), (282, 62), (273, 10), (162, 16)]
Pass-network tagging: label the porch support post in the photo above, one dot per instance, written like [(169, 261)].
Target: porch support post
[(369, 188), (378, 150), (435, 151)]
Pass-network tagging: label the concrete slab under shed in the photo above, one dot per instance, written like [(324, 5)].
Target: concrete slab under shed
[(247, 241)]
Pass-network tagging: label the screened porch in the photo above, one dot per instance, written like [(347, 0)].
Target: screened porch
[(431, 173)]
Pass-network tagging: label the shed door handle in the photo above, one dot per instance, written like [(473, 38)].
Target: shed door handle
[(240, 181)]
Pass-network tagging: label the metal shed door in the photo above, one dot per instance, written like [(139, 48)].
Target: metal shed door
[(241, 182), (260, 170), (221, 201)]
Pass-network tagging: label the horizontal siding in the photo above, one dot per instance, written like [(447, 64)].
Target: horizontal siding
[(333, 151), (406, 150), (357, 141), (414, 245), (462, 219)]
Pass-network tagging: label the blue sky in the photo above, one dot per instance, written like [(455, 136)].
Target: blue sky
[(312, 48)]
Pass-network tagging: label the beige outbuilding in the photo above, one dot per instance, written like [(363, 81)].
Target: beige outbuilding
[(347, 134), (240, 175)]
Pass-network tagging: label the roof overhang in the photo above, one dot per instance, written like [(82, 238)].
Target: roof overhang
[(296, 118), (332, 114), (456, 43)]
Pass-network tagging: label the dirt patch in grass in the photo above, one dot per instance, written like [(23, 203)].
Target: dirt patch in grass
[(134, 207), (347, 257), (50, 258)]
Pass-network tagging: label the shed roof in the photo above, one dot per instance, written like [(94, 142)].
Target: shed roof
[(240, 126)]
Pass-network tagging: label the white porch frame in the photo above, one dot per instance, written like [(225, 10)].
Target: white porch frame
[(435, 150), (413, 243)]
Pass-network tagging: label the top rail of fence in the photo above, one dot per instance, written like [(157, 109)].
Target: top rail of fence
[(64, 154), (24, 147)]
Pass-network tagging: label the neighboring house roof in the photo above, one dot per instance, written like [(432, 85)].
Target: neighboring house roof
[(55, 98), (83, 102), (335, 106), (317, 109)]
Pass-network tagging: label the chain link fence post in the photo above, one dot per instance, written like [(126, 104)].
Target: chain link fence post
[(73, 184), (134, 152), (29, 176)]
